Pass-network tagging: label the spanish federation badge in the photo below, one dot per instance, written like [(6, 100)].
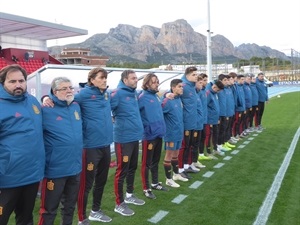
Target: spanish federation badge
[(35, 109), (76, 115), (90, 166)]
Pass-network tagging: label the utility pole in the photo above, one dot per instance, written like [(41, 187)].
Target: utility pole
[(209, 58)]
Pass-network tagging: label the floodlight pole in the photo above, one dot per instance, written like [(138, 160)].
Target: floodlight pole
[(209, 58)]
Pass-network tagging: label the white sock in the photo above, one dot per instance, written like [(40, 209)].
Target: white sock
[(128, 195), (186, 166), (202, 154), (180, 170)]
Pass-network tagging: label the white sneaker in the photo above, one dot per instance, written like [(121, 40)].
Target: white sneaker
[(172, 183), (177, 176), (193, 167), (198, 165), (217, 152)]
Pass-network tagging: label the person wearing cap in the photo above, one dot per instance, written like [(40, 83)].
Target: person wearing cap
[(262, 89)]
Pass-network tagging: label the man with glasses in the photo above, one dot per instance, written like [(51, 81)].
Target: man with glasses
[(94, 101), (62, 128)]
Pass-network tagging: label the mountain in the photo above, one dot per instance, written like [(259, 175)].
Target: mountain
[(174, 43)]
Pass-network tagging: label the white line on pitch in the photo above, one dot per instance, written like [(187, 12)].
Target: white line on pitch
[(267, 205)]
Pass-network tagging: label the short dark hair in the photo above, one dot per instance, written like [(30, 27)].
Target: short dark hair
[(240, 76), (125, 73), (175, 82), (190, 69), (203, 75), (219, 84), (11, 68), (232, 74), (222, 77)]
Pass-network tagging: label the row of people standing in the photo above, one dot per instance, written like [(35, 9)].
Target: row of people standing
[(136, 116)]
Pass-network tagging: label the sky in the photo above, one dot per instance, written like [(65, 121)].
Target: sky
[(275, 24)]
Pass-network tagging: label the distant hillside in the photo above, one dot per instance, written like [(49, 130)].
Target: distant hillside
[(175, 43)]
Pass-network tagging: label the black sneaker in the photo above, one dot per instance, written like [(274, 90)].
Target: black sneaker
[(185, 175), (148, 193), (159, 186)]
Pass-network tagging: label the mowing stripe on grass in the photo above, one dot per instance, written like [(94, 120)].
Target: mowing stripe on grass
[(158, 216), (255, 134), (234, 152), (246, 142), (267, 205), (179, 199), (242, 146), (251, 138), (208, 174), (227, 158), (219, 165), (196, 184)]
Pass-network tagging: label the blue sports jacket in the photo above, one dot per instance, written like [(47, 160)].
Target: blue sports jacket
[(230, 109), (152, 115), (97, 122), (189, 101), (262, 90), (203, 98), (62, 126), (173, 116), (248, 95), (240, 96), (254, 93), (200, 111), (125, 109), (222, 103), (22, 152), (213, 108)]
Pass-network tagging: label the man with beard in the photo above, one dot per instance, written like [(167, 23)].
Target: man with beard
[(22, 155)]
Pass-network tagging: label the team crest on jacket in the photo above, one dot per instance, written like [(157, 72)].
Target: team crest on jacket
[(50, 185), (150, 146), (1, 210), (90, 166), (76, 115), (171, 144), (125, 158), (35, 109)]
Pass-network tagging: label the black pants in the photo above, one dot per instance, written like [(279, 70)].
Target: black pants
[(151, 152), (196, 145), (202, 140), (223, 125), (59, 190), (127, 160), (184, 156), (228, 132), (261, 108), (21, 200), (95, 167), (253, 116)]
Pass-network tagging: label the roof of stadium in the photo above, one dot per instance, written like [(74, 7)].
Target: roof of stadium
[(13, 25)]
